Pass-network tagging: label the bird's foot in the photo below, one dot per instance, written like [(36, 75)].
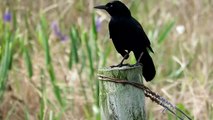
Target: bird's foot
[(138, 61)]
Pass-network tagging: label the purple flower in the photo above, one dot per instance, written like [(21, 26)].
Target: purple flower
[(98, 23), (7, 16), (56, 30), (63, 37)]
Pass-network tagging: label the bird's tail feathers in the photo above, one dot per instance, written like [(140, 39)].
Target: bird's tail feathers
[(148, 65)]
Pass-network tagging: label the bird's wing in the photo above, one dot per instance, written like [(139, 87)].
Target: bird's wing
[(139, 33), (116, 37), (111, 30)]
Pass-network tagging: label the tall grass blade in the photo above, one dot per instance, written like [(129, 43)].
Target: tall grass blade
[(42, 109), (14, 20), (93, 39), (56, 89), (28, 62), (6, 61), (166, 31), (73, 57), (51, 116), (44, 38), (94, 28), (89, 53), (27, 114), (42, 112), (106, 55)]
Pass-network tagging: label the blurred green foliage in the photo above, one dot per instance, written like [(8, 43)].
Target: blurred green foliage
[(62, 73)]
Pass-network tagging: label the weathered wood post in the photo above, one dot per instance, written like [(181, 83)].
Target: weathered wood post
[(118, 101)]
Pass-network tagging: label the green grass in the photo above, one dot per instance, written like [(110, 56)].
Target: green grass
[(56, 79), (6, 56)]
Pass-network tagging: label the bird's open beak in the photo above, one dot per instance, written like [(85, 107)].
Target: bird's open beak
[(100, 7)]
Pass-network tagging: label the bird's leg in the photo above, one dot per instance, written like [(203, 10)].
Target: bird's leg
[(125, 57), (121, 63), (138, 60), (140, 57)]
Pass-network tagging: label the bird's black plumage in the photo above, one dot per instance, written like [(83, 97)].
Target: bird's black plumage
[(128, 35)]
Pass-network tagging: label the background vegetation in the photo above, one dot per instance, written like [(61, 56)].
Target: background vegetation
[(50, 51)]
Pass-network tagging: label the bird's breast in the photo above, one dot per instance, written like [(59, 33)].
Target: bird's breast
[(122, 34)]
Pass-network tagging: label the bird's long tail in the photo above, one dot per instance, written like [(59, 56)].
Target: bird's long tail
[(148, 65)]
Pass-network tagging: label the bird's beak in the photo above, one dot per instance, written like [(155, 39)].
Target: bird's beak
[(100, 7)]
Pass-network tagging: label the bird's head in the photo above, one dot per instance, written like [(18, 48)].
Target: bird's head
[(115, 8)]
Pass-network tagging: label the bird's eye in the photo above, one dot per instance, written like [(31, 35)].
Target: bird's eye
[(111, 6)]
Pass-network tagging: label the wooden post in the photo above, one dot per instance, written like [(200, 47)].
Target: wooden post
[(118, 101)]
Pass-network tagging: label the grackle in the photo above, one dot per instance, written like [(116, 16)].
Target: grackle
[(128, 35)]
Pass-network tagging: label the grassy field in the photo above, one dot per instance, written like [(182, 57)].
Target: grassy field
[(50, 52)]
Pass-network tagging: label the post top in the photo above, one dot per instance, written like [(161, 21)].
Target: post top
[(126, 67), (130, 73)]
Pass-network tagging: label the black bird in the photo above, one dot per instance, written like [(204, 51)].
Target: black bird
[(128, 35)]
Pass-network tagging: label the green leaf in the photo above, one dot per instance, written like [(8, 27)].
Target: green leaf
[(73, 57), (28, 62), (166, 31)]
